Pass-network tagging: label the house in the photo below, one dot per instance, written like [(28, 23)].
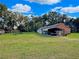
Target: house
[(59, 29)]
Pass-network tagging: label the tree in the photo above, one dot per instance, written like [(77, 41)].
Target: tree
[(21, 28), (3, 8)]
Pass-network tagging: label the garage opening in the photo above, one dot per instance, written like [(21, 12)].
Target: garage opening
[(55, 32)]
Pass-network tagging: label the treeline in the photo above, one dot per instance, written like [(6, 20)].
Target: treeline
[(15, 21)]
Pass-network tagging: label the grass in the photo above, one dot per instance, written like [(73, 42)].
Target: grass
[(35, 46), (74, 36)]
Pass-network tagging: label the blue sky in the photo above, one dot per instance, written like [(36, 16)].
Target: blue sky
[(39, 7)]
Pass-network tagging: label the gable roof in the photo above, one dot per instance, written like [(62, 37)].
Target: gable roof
[(59, 25)]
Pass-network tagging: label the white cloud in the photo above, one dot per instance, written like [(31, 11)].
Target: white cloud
[(67, 9), (72, 17), (56, 8), (20, 8), (70, 9), (49, 2)]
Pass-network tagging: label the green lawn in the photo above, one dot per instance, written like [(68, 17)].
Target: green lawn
[(36, 46)]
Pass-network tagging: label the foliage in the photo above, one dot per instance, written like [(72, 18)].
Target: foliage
[(2, 8), (33, 23), (21, 28)]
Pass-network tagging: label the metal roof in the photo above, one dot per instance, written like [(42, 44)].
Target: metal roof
[(59, 25)]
